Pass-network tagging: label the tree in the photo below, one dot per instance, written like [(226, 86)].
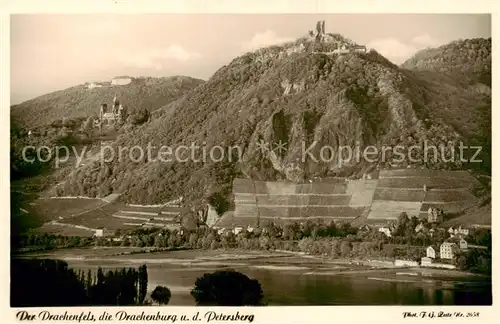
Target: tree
[(44, 283), (143, 283), (403, 221), (161, 295), (345, 248), (227, 288), (462, 262), (87, 127), (100, 275)]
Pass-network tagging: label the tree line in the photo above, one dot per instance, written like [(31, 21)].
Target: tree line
[(45, 282), (336, 240)]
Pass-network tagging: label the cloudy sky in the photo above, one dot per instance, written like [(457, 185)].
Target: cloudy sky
[(52, 52)]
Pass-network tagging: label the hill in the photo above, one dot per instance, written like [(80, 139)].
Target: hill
[(80, 101), (469, 59), (297, 93)]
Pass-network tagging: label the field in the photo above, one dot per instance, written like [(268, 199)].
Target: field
[(394, 192), (424, 173), (397, 194), (420, 181), (299, 212), (63, 230), (293, 199), (280, 202), (383, 209), (80, 216), (57, 208), (288, 188)]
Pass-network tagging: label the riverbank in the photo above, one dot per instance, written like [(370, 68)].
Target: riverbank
[(263, 260)]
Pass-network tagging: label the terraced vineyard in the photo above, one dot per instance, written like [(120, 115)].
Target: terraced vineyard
[(395, 191), (80, 215)]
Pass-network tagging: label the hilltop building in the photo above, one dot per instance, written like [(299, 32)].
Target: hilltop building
[(121, 80), (117, 113), (94, 85), (359, 49)]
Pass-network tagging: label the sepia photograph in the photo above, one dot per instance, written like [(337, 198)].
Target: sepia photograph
[(315, 159)]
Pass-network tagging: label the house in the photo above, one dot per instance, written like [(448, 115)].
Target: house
[(359, 49), (462, 230), (99, 232), (109, 117), (94, 85), (365, 228), (237, 230), (121, 80), (463, 244), (420, 227), (425, 261), (430, 252), (448, 250), (434, 215), (386, 231)]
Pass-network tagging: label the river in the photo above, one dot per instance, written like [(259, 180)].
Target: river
[(295, 280)]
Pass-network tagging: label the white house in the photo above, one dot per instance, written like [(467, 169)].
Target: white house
[(359, 49), (99, 232), (447, 250), (386, 231), (94, 85), (463, 230), (463, 244), (430, 252), (426, 261), (237, 230), (121, 80), (434, 215), (419, 227)]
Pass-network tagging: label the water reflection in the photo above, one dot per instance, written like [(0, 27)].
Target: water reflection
[(296, 288)]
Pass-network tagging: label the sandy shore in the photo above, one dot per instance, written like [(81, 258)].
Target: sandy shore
[(261, 260)]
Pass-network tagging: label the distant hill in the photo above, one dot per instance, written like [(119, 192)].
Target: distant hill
[(297, 93), (79, 101), (469, 59), (477, 216)]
